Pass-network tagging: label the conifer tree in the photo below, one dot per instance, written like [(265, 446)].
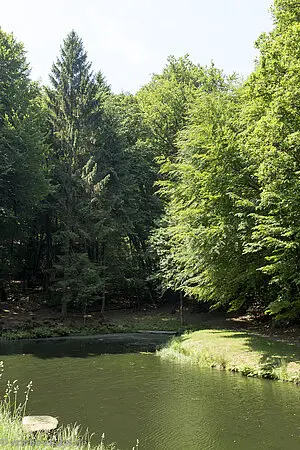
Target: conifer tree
[(72, 115)]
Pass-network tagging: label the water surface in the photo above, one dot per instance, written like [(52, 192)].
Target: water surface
[(166, 406)]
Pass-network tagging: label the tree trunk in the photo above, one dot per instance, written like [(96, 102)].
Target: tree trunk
[(64, 306), (3, 294), (104, 284), (181, 308)]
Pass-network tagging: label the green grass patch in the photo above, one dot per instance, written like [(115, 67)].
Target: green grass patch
[(242, 352)]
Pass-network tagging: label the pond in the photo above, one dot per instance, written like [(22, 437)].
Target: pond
[(107, 385)]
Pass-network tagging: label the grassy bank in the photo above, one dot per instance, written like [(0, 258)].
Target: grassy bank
[(236, 351), (12, 437)]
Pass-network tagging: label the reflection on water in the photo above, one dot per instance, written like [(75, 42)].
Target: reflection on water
[(166, 406), (81, 347)]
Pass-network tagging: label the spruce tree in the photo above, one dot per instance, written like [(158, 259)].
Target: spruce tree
[(72, 116)]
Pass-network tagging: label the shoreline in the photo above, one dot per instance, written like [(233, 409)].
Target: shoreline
[(100, 336)]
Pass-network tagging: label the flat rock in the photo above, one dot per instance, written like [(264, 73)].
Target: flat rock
[(39, 423)]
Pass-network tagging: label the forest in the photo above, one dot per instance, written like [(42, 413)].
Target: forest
[(190, 187)]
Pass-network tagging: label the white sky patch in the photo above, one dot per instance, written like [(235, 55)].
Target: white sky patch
[(128, 40), (121, 42)]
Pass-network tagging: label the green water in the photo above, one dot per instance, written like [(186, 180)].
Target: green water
[(166, 406)]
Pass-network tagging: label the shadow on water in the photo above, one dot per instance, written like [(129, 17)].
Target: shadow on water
[(84, 347)]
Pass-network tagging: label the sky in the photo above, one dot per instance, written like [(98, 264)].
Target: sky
[(129, 40)]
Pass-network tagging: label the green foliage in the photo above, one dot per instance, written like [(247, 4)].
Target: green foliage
[(203, 168), (271, 143), (81, 282), (72, 113), (200, 241), (71, 103), (22, 181), (102, 171), (165, 100), (230, 234)]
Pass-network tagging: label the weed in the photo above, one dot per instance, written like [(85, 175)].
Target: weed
[(13, 436)]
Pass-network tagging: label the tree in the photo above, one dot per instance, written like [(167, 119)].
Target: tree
[(271, 143), (208, 195), (182, 108), (72, 116), (22, 180), (165, 100), (124, 206), (140, 204), (102, 177)]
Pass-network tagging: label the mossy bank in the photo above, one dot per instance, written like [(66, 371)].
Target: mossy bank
[(243, 352)]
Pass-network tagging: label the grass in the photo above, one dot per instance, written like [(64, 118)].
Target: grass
[(243, 352), (12, 436)]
